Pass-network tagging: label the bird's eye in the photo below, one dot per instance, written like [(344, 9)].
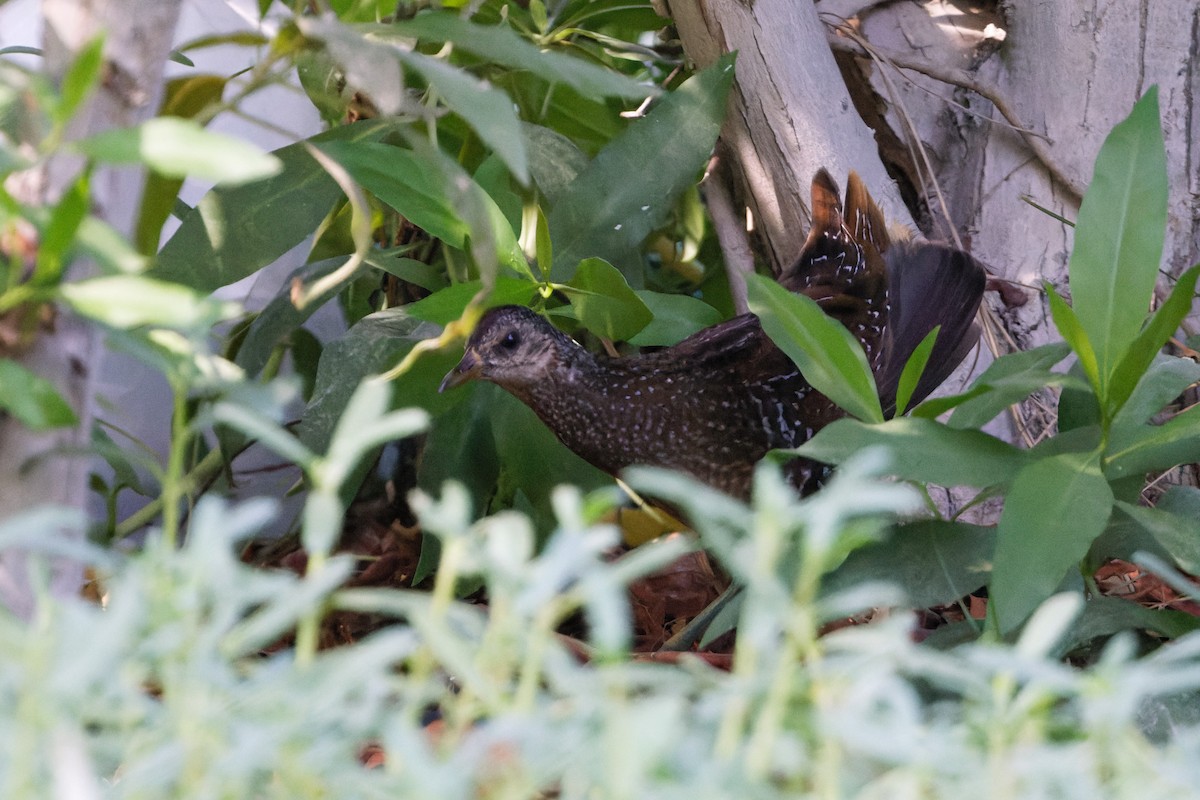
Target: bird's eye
[(510, 341)]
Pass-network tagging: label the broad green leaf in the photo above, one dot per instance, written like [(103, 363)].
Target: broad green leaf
[(1054, 510), (280, 318), (933, 561), (448, 304), (489, 111), (179, 148), (1145, 347), (32, 399), (434, 193), (235, 231), (1035, 363), (1147, 448), (372, 346), (630, 187), (1104, 616), (411, 185), (554, 162), (499, 44), (1164, 381), (129, 301), (1072, 331), (368, 54), (603, 301), (1119, 237), (676, 317), (427, 276), (1003, 392), (826, 353), (1178, 534), (183, 97), (923, 450), (913, 370)]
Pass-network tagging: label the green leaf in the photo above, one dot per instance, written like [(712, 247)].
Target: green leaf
[(603, 301), (59, 236), (434, 193), (1147, 448), (413, 186), (487, 110), (180, 148), (913, 370), (676, 317), (828, 355), (500, 45), (33, 400), (923, 450), (280, 318), (183, 97), (1006, 377), (1165, 380), (1074, 334), (555, 161), (1104, 616), (235, 231), (1119, 237), (630, 188), (80, 79), (375, 344), (129, 301), (448, 304), (933, 561), (1146, 346), (1178, 533), (1054, 510), (367, 55)]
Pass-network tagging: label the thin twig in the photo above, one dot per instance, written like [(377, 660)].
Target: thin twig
[(731, 233), (960, 77)]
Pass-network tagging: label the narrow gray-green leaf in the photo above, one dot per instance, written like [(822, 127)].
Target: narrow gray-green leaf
[(177, 147)]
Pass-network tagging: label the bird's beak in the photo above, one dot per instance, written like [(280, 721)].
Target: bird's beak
[(468, 369)]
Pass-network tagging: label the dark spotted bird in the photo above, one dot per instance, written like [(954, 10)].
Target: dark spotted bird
[(717, 402)]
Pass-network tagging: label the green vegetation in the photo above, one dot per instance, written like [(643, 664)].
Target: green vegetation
[(553, 182)]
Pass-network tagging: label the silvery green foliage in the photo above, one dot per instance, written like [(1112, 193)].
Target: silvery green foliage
[(165, 691)]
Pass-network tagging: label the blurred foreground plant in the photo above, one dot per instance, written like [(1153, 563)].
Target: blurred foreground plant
[(165, 690)]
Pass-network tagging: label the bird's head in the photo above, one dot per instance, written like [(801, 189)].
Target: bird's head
[(511, 346)]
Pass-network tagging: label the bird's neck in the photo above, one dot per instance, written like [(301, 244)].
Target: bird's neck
[(582, 401)]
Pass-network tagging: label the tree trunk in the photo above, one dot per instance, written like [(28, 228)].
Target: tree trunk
[(33, 471)]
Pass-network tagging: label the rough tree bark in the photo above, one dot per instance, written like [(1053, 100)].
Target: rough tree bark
[(33, 471)]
